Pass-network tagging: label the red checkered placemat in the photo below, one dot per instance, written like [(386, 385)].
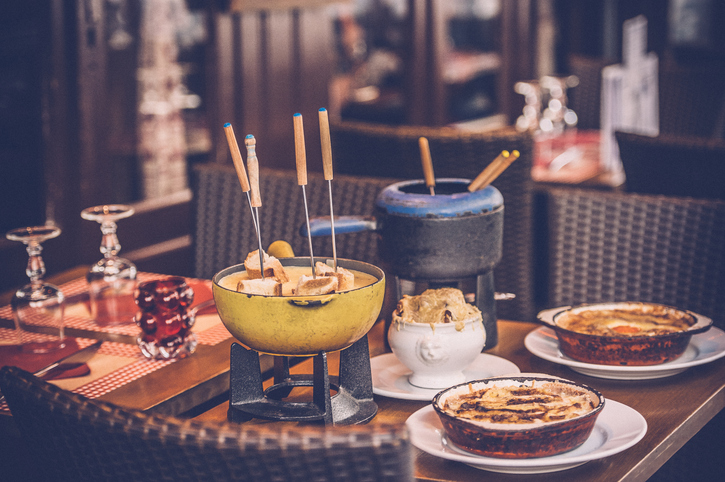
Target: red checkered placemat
[(137, 368), (126, 374), (72, 319)]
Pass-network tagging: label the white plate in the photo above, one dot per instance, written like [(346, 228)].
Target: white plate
[(703, 348), (617, 428), (390, 377)]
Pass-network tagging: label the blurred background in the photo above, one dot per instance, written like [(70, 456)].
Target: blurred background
[(114, 101)]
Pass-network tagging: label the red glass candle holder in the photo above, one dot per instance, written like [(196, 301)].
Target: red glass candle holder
[(165, 319)]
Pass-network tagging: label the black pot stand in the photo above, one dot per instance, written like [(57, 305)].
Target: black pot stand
[(352, 404)]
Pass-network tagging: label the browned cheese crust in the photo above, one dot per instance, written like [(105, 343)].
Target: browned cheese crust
[(547, 402), (645, 321), (443, 305)]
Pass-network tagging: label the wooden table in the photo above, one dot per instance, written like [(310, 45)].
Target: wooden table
[(675, 409), (173, 389)]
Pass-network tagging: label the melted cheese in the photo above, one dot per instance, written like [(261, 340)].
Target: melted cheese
[(545, 402), (443, 305), (647, 320), (293, 272)]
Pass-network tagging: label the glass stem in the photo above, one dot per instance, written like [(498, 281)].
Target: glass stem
[(109, 244), (36, 266)]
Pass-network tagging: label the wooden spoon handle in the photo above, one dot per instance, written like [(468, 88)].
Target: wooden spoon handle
[(236, 157), (427, 161), (326, 143), (253, 169), (300, 153)]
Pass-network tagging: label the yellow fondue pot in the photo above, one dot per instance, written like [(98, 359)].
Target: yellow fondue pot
[(300, 325)]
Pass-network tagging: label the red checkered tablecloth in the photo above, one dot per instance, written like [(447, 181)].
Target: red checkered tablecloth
[(80, 319), (133, 368), (130, 362)]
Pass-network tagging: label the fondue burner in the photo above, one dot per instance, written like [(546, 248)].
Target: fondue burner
[(352, 404), (453, 238)]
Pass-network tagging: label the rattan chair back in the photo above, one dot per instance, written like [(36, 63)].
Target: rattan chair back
[(611, 246), (378, 150), (673, 166), (74, 438), (224, 232)]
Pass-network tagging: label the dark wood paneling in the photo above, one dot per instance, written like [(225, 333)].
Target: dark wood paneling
[(276, 145), (225, 84), (426, 96), (270, 65), (249, 61)]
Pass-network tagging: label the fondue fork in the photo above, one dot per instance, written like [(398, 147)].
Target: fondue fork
[(301, 160), (256, 199), (327, 169), (488, 171), (427, 161), (239, 166), (493, 170), (500, 169)]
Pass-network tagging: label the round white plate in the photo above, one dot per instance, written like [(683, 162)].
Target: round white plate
[(703, 348), (390, 377), (618, 427)]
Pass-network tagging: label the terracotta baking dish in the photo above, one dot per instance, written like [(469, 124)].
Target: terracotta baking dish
[(628, 349), (518, 440)]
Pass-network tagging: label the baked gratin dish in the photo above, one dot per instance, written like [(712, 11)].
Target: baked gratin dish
[(624, 333), (518, 417)]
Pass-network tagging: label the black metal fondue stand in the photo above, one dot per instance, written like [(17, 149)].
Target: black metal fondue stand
[(353, 403), (443, 240), (451, 238)]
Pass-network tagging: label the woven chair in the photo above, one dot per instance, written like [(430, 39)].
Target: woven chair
[(378, 150), (224, 231), (73, 438), (611, 246), (673, 166)]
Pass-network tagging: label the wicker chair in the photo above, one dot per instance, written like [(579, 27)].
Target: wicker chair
[(378, 150), (224, 232), (621, 246), (73, 438), (673, 166)]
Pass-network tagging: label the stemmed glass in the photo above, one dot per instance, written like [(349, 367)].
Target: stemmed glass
[(37, 304), (112, 280)]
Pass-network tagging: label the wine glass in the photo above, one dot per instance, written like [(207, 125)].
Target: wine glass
[(37, 304), (112, 280)]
